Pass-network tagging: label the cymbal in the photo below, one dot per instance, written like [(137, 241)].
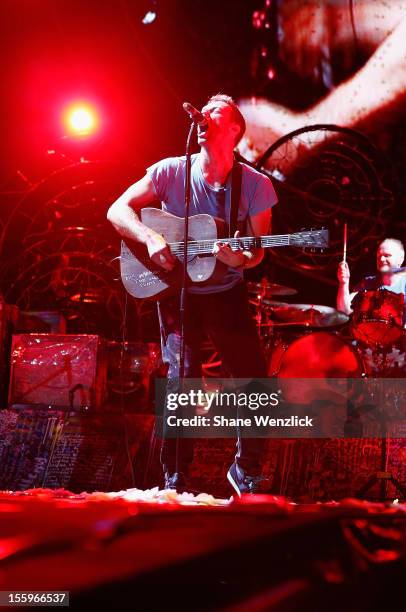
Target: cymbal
[(265, 289), (310, 315)]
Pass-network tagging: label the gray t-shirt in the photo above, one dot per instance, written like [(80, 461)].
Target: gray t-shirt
[(257, 194), (372, 283)]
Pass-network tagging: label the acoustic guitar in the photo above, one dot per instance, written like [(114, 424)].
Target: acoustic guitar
[(143, 279)]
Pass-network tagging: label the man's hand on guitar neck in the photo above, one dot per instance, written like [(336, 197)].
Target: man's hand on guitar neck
[(159, 251), (224, 253)]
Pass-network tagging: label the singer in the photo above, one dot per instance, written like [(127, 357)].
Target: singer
[(219, 309)]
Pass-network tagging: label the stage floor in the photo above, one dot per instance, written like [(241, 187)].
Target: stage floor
[(140, 549)]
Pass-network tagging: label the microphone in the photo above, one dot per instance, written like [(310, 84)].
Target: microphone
[(195, 115)]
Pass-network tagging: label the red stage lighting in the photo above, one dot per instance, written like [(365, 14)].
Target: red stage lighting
[(81, 120)]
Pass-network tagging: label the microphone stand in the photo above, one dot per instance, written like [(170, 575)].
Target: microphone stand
[(182, 310), (185, 255)]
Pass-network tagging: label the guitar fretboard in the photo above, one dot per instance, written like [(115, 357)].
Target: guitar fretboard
[(202, 247)]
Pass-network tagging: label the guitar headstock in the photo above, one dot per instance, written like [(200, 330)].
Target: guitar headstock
[(311, 239)]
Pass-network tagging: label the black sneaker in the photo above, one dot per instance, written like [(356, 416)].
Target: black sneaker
[(243, 484), (176, 481)]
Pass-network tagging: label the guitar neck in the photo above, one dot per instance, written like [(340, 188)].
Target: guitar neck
[(197, 247)]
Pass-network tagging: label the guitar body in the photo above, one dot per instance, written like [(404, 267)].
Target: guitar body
[(144, 279)]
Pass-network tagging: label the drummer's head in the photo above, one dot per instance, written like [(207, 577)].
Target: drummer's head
[(390, 254)]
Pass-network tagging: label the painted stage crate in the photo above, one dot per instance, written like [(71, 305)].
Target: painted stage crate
[(58, 370)]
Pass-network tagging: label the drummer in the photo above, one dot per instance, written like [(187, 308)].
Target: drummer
[(390, 255)]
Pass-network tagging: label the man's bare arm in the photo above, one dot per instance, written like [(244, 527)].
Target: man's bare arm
[(344, 297), (380, 85), (258, 225), (124, 212), (370, 98), (124, 215)]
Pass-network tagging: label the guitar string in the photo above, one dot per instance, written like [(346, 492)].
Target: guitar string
[(202, 251), (206, 246)]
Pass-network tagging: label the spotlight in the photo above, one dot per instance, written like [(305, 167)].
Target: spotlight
[(149, 17), (81, 120), (151, 14)]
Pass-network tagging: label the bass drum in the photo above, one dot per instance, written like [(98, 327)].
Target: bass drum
[(378, 317), (317, 355)]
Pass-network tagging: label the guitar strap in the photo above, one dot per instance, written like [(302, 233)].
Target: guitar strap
[(236, 180)]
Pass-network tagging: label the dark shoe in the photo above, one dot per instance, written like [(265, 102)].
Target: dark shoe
[(242, 483), (176, 481)]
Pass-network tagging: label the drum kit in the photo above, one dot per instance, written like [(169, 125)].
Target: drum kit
[(304, 341), (317, 341)]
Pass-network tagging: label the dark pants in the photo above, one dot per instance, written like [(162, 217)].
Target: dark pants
[(225, 317)]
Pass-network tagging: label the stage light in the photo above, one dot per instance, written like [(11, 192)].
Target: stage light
[(149, 17), (151, 14), (81, 120)]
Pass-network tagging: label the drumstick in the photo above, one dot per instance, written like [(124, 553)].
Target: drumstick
[(345, 244)]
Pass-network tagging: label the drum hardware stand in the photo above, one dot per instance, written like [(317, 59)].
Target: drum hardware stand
[(382, 475), (380, 368)]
